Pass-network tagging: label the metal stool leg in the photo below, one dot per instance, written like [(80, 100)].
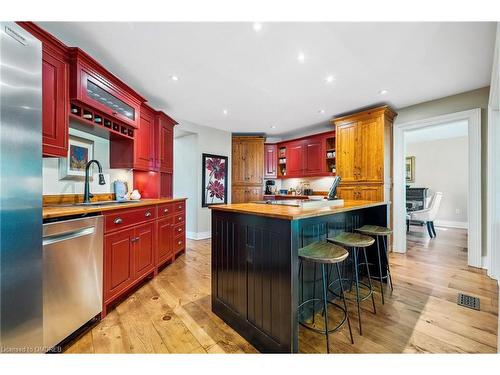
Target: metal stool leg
[(355, 253), (380, 270), (369, 280), (389, 274), (325, 306), (344, 301)]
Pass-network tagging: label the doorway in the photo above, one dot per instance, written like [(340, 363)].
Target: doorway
[(471, 119)]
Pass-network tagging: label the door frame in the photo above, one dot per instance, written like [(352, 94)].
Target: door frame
[(473, 117)]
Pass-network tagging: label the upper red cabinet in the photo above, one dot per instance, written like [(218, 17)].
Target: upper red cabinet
[(165, 128), (93, 86), (55, 92), (270, 160)]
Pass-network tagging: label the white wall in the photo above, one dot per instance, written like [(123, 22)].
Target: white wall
[(209, 141), (53, 186), (442, 165)]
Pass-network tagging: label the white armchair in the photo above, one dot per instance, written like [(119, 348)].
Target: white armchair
[(428, 215)]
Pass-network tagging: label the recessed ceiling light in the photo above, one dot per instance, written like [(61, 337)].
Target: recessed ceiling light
[(301, 57), (273, 126), (224, 111), (383, 92), (257, 26), (329, 79), (321, 111), (174, 78)]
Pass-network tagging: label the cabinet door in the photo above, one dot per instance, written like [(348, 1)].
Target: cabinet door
[(346, 152), (254, 162), (370, 156), (143, 249), (238, 194), (166, 135), (270, 161), (313, 157), (238, 161), (371, 193), (165, 238), (254, 194), (55, 103), (144, 148), (295, 159), (348, 193), (118, 262)]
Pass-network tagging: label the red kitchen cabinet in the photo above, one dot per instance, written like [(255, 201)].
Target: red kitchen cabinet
[(118, 262), (313, 156), (144, 241), (270, 160), (164, 246), (295, 159), (165, 129), (144, 155)]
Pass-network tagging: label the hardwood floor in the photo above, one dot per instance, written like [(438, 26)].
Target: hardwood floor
[(171, 314)]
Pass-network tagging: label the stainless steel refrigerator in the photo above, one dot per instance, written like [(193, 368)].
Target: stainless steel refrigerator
[(20, 190)]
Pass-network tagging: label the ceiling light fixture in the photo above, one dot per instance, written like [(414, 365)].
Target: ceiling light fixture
[(257, 26), (174, 78), (321, 111), (383, 92), (273, 126), (224, 111), (301, 57), (329, 79)]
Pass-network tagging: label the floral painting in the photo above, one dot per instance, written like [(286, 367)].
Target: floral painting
[(214, 180)]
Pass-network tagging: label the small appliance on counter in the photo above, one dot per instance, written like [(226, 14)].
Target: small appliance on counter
[(283, 191), (270, 187)]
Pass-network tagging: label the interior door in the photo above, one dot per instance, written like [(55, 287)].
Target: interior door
[(346, 152)]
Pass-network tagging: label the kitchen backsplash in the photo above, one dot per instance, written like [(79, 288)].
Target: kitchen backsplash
[(52, 184), (315, 183)]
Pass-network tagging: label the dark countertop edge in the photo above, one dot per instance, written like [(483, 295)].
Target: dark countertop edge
[(78, 210)]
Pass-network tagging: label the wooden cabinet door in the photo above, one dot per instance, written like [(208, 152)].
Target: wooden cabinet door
[(238, 194), (165, 238), (295, 159), (371, 193), (238, 161), (346, 144), (254, 194), (143, 249), (55, 103), (166, 135), (254, 162), (348, 193), (270, 161), (370, 156), (118, 262), (144, 146), (313, 157)]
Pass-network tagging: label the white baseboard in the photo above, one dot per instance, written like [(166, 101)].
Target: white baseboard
[(451, 224), (198, 235)]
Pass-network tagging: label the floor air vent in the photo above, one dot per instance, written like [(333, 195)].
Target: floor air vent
[(468, 301)]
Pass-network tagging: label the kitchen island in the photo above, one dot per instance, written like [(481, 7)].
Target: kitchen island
[(255, 284)]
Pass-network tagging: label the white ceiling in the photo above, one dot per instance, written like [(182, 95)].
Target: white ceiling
[(257, 77), (442, 131)]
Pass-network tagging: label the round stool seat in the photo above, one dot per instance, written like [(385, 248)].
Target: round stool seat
[(352, 239), (374, 230), (323, 252)]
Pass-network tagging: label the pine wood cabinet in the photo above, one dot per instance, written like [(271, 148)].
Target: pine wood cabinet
[(364, 153), (247, 169)]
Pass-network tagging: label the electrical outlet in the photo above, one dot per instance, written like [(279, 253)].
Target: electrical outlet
[(457, 211)]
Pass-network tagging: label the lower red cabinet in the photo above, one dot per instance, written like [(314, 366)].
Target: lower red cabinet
[(144, 243), (165, 240)]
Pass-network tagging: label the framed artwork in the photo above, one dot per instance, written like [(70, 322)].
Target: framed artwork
[(214, 180), (80, 151), (410, 169)]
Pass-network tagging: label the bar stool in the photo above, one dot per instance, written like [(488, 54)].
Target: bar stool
[(379, 232), (324, 253), (356, 241)]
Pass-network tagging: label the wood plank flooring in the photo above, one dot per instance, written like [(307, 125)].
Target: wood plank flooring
[(171, 314)]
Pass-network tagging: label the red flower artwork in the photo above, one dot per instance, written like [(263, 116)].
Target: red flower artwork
[(215, 188)]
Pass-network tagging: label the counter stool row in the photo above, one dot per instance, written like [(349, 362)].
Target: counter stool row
[(329, 255)]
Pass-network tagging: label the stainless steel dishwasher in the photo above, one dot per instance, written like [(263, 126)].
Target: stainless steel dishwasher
[(72, 276)]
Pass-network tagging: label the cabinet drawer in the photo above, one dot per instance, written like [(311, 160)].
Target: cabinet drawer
[(165, 209), (179, 230), (179, 206), (179, 243), (179, 218), (121, 219)]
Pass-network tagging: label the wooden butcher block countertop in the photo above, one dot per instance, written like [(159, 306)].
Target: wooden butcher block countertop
[(59, 210), (293, 213)]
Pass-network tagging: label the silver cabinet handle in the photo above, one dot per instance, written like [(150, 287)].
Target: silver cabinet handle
[(118, 220), (179, 218), (179, 243), (179, 206), (135, 239), (147, 214), (179, 230), (165, 210)]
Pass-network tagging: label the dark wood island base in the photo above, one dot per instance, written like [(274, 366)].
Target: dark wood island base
[(255, 286)]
